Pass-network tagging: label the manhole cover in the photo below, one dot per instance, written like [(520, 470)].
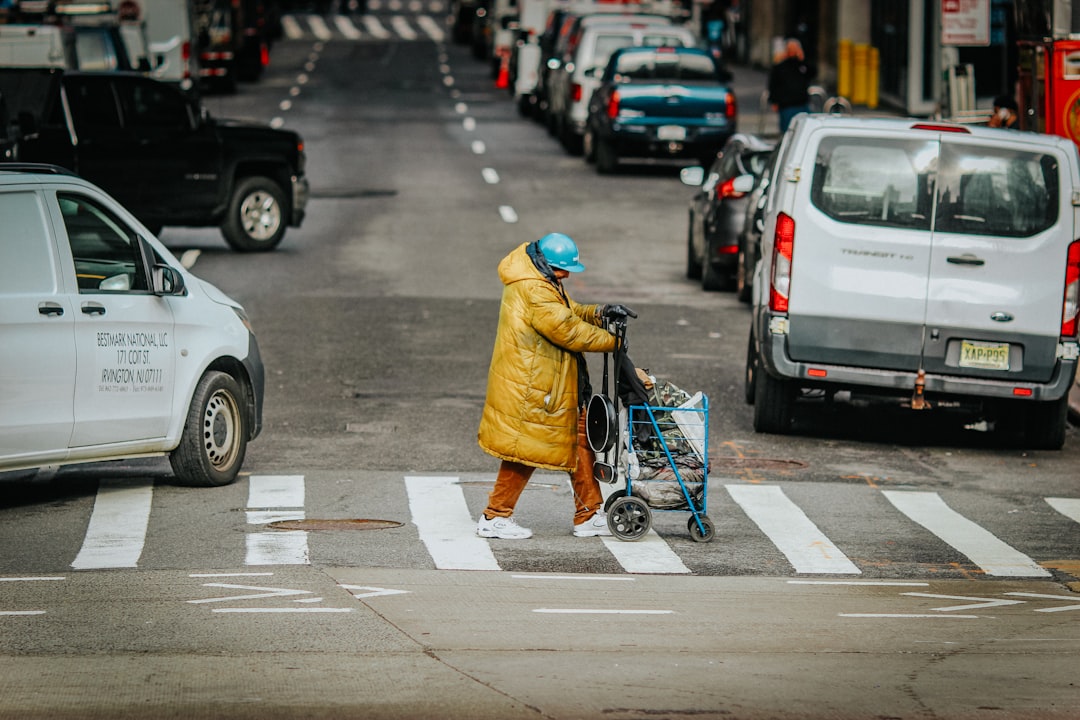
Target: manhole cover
[(353, 524), (739, 463)]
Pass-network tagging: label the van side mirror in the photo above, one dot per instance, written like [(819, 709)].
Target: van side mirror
[(743, 183), (692, 176), (167, 281)]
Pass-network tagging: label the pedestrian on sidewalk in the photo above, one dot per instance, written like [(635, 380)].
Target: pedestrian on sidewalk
[(1005, 114), (789, 83), (538, 382)]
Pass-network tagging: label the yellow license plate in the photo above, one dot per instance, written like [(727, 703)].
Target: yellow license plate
[(984, 355)]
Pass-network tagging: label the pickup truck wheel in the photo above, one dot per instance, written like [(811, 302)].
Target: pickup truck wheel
[(693, 265), (214, 441), (1046, 422), (256, 217), (773, 401), (607, 161)]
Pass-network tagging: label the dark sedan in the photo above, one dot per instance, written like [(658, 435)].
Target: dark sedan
[(718, 209)]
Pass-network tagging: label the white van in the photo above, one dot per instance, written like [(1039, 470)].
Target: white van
[(111, 349), (930, 263), (170, 30)]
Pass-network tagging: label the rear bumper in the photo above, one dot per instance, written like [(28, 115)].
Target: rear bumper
[(773, 352), (642, 141)]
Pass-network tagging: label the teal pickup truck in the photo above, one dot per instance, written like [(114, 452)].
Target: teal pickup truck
[(659, 102)]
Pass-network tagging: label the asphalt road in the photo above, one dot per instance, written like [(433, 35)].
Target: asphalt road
[(875, 563)]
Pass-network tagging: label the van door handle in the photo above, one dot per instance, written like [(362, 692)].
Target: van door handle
[(93, 309), (965, 259), (50, 308)]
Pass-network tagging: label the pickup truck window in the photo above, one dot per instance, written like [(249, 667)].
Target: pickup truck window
[(106, 252), (665, 66), (93, 105), (153, 105)]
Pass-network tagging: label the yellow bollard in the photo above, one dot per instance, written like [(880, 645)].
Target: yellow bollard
[(843, 68), (873, 76), (859, 71)]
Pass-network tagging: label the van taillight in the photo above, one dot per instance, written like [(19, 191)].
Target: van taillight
[(575, 92), (783, 246), (185, 55), (613, 105), (730, 108), (727, 189), (1071, 304)]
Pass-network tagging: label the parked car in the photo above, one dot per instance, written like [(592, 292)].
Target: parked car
[(750, 233), (161, 153), (589, 42), (718, 208), (659, 102), (928, 264), (133, 355)]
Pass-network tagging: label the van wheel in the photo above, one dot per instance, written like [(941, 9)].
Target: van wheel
[(773, 401), (607, 162), (1046, 423), (751, 370), (214, 442), (256, 218)]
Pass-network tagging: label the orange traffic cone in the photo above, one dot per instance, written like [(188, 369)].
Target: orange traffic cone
[(502, 81)]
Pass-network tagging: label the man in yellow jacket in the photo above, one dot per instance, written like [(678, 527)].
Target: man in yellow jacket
[(538, 382)]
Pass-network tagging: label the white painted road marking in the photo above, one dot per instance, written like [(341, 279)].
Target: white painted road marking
[(282, 610), (907, 615), (429, 26), (648, 555), (318, 26), (22, 612), (507, 214), (975, 603), (372, 591), (118, 525), (30, 579), (1069, 507), (373, 26), (586, 611), (402, 28), (976, 543), (272, 498), (445, 525), (805, 546), (868, 583), (267, 592), (1057, 598), (491, 177), (478, 147), (346, 28)]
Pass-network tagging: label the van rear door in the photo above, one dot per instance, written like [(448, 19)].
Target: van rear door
[(997, 268), (861, 248)]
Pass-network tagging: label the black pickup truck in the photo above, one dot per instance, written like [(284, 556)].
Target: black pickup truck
[(159, 152)]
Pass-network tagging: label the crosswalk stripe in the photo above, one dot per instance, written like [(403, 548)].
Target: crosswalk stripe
[(431, 28), (319, 27), (649, 555), (272, 498), (1069, 507), (402, 28), (976, 543), (805, 546), (291, 28), (373, 26), (346, 27), (446, 527), (118, 523)]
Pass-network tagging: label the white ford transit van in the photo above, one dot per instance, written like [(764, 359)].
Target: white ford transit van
[(109, 348), (933, 263)]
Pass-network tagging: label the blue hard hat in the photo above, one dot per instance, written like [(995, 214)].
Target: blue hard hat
[(561, 252)]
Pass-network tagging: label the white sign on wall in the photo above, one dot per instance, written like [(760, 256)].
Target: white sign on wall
[(965, 22)]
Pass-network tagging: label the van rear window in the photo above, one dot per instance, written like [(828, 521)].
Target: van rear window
[(964, 188)]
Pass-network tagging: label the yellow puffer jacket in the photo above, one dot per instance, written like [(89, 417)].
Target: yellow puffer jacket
[(531, 412)]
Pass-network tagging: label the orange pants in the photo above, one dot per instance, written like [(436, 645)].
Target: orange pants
[(513, 477)]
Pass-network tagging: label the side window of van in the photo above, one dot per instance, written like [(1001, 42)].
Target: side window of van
[(26, 262), (106, 252), (875, 181), (991, 191)]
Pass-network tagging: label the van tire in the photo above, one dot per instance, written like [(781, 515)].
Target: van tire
[(256, 218), (693, 267), (1046, 423), (215, 437), (743, 287), (773, 402)]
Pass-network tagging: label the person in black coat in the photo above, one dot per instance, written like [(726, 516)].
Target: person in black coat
[(789, 84)]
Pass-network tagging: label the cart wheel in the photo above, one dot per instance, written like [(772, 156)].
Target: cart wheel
[(612, 498), (629, 518), (695, 531)]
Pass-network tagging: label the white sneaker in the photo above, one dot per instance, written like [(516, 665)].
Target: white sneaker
[(593, 527), (502, 528)]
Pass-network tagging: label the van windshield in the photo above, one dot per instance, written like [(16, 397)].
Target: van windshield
[(979, 190)]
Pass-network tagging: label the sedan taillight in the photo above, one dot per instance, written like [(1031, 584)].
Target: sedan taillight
[(613, 105)]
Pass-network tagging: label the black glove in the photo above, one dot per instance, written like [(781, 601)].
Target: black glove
[(617, 312)]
